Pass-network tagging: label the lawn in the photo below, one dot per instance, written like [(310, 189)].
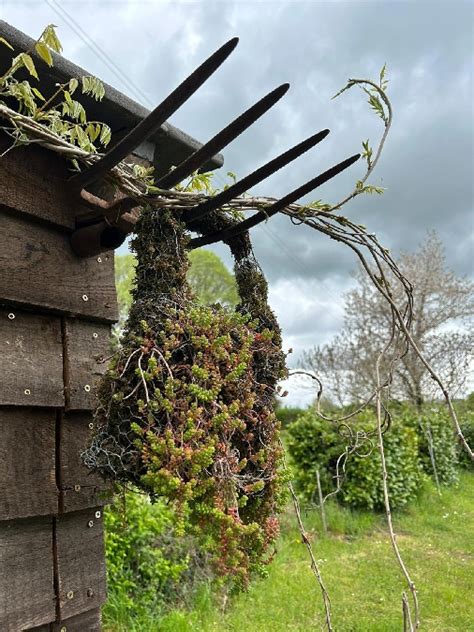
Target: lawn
[(436, 536)]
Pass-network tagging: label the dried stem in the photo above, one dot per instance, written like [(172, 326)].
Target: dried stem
[(388, 512), (314, 564)]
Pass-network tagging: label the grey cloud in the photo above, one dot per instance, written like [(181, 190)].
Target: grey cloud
[(428, 162)]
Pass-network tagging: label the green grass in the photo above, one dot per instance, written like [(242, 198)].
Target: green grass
[(436, 537)]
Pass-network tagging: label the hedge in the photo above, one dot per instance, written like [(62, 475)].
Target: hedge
[(315, 444)]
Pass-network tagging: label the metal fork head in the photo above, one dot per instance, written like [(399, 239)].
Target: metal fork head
[(155, 119), (222, 138), (254, 178), (279, 205)]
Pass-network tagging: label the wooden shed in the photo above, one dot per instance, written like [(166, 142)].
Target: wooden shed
[(56, 310)]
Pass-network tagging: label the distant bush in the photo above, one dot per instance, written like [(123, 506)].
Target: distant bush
[(315, 444), (288, 415), (148, 566), (435, 422), (467, 427)]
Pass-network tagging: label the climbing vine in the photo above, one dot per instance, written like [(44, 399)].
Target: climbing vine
[(185, 409), (59, 114)]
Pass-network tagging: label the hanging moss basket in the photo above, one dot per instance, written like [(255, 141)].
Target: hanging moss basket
[(186, 407)]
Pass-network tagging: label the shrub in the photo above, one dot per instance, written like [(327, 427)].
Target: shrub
[(435, 424), (467, 427), (363, 484), (288, 415), (315, 444), (148, 566)]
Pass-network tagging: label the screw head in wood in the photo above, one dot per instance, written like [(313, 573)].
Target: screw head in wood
[(87, 388), (27, 391), (77, 488), (11, 315), (90, 523), (70, 594), (85, 297), (95, 335), (98, 514), (99, 259)]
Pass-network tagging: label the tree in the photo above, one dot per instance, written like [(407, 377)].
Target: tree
[(211, 280), (443, 304), (124, 275), (208, 276)]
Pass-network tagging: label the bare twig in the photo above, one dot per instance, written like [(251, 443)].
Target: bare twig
[(307, 543), (406, 609), (321, 502)]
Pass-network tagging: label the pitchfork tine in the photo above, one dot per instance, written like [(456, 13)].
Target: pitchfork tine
[(223, 138), (228, 233), (254, 178), (155, 119)]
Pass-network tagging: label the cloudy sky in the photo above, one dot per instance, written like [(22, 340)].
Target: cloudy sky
[(427, 166)]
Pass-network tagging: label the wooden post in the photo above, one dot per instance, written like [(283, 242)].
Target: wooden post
[(432, 456), (321, 503)]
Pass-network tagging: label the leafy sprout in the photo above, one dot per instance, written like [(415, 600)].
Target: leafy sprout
[(59, 112)]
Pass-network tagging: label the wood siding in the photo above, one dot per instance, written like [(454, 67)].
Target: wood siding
[(39, 270), (55, 316), (26, 577)]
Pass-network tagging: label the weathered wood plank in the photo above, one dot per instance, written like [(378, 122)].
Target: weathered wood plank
[(33, 182), (27, 463), (40, 270), (26, 574), (81, 562), (85, 344), (80, 487), (90, 621), (31, 369)]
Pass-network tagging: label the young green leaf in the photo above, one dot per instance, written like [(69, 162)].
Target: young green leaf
[(367, 153), (44, 52), (73, 83), (349, 85), (105, 135), (5, 43), (94, 87), (29, 64), (371, 189), (38, 94), (50, 38), (92, 131), (383, 82)]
